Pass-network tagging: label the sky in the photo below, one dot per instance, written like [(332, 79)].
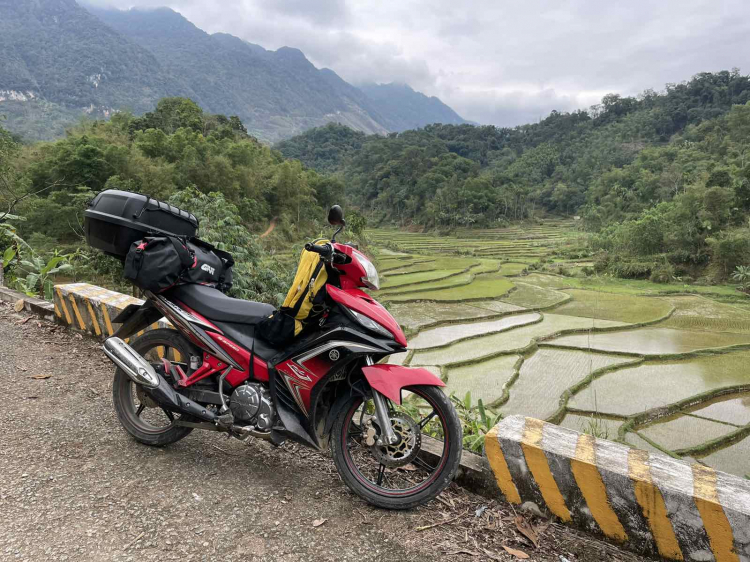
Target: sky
[(500, 62)]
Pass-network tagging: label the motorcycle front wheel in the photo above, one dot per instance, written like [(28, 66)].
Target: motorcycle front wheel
[(410, 472)]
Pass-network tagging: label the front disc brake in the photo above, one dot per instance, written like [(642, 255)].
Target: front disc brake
[(406, 448)]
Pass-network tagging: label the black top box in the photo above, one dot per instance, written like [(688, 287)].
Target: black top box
[(115, 219)]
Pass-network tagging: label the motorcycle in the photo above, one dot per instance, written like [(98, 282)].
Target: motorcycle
[(394, 436)]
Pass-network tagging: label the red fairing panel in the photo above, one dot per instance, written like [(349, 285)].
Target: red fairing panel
[(388, 380), (361, 302)]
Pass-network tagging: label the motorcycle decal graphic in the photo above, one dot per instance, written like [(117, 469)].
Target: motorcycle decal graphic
[(294, 387), (299, 372), (301, 380)]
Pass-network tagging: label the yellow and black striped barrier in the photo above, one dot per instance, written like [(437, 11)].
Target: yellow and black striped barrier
[(91, 309), (648, 502)]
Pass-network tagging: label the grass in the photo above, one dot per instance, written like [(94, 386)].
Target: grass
[(448, 282), (613, 306), (701, 313), (409, 279), (481, 287), (531, 296), (595, 425)]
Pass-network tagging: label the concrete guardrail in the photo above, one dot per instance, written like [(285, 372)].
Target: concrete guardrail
[(91, 309), (648, 502)]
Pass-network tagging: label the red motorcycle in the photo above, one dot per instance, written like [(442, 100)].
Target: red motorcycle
[(394, 436)]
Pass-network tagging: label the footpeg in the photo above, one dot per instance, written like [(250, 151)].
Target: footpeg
[(225, 420)]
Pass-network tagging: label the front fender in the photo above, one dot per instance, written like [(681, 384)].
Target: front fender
[(389, 380)]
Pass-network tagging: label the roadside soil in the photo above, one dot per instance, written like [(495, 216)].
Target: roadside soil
[(75, 486)]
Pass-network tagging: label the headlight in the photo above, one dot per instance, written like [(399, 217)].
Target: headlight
[(370, 324), (371, 279)]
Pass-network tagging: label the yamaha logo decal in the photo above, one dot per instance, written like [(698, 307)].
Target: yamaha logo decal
[(334, 355)]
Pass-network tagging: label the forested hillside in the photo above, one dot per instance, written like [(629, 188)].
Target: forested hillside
[(663, 178), (198, 161)]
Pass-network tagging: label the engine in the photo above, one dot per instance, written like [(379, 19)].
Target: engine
[(252, 403)]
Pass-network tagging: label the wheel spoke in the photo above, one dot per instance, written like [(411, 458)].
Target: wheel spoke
[(169, 414), (423, 464), (381, 473), (140, 409), (425, 420)]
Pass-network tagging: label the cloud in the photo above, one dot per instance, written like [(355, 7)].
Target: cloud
[(503, 63)]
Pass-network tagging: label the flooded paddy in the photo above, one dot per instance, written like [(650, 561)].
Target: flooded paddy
[(653, 341), (518, 325), (539, 397), (444, 335), (517, 338), (484, 380), (633, 390)]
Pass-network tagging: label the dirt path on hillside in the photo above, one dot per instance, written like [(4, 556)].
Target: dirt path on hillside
[(74, 486)]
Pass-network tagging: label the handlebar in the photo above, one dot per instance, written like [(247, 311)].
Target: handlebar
[(324, 251)]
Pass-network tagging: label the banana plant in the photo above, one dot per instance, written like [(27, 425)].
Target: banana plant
[(8, 255), (742, 274), (38, 272)]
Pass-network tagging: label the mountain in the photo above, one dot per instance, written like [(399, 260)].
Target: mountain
[(58, 59), (402, 108), (61, 61), (276, 94)]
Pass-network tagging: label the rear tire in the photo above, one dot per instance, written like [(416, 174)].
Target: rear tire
[(125, 402), (401, 499)]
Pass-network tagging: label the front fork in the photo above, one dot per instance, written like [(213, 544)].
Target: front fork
[(388, 437)]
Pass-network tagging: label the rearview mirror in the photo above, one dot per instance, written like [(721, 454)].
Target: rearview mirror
[(336, 216)]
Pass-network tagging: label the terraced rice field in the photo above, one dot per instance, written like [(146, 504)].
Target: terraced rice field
[(627, 360)]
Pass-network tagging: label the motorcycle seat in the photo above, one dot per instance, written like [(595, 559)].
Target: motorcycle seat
[(215, 305)]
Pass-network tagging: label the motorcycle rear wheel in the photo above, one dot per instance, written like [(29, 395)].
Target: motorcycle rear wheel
[(145, 421), (395, 483)]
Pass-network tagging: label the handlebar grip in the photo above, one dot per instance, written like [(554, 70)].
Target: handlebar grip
[(322, 250)]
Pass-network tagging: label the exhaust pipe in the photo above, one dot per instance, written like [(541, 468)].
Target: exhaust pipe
[(142, 373), (135, 366)]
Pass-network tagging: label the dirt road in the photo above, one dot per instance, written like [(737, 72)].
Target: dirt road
[(74, 486)]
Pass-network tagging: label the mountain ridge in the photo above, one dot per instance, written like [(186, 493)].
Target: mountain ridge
[(62, 60)]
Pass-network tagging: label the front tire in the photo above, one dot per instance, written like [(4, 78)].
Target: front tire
[(145, 421), (390, 487)]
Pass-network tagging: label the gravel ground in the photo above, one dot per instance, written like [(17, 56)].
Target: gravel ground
[(75, 486)]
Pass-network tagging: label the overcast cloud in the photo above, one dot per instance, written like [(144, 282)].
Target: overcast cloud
[(493, 61)]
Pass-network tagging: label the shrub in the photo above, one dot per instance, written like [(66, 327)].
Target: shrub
[(662, 274), (727, 252), (630, 270)]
